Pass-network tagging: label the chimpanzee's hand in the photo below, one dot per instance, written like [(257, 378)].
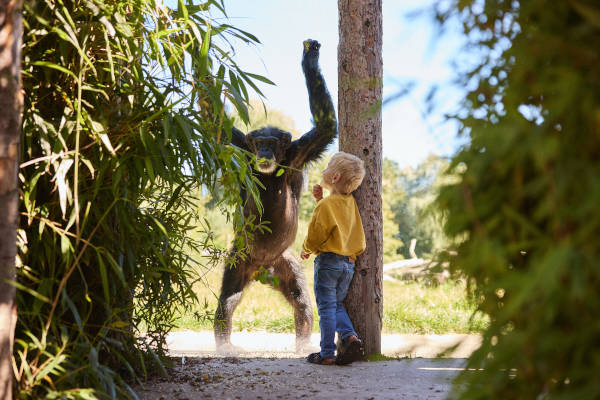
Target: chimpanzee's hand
[(310, 54), (317, 192)]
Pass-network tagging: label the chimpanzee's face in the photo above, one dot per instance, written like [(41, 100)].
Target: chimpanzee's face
[(269, 146)]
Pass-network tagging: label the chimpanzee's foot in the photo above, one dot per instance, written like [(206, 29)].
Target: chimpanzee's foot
[(303, 345), (229, 349)]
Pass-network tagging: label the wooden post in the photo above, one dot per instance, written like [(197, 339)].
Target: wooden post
[(360, 73), (10, 134)]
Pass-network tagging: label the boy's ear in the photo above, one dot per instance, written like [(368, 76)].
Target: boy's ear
[(336, 178)]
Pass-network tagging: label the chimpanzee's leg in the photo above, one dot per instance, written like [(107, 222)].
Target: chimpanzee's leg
[(235, 279), (292, 283)]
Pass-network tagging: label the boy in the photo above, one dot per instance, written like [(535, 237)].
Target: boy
[(335, 235)]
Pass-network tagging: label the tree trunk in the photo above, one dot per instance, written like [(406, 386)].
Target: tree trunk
[(360, 71), (10, 132)]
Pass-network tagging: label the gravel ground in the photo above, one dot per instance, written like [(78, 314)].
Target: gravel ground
[(268, 368)]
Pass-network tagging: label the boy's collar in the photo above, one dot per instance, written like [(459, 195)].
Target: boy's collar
[(339, 194)]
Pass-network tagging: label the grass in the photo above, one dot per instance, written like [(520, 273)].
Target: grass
[(415, 307), (408, 307)]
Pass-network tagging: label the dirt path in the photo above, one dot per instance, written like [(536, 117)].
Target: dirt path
[(270, 369)]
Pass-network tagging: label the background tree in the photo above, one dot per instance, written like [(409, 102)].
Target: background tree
[(525, 207), (124, 121), (415, 213), (392, 194), (360, 72), (10, 132)]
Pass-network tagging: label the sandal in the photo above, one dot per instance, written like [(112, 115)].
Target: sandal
[(315, 358), (353, 351)]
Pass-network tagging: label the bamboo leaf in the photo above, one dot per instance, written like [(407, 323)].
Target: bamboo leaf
[(160, 226), (52, 366), (220, 78), (119, 324), (106, 140), (62, 183), (116, 268), (246, 36), (182, 9), (73, 308), (251, 83), (103, 277), (122, 25), (96, 90), (174, 196), (259, 78), (57, 67), (149, 167), (238, 102), (66, 247), (28, 290), (110, 30), (89, 165), (203, 60)]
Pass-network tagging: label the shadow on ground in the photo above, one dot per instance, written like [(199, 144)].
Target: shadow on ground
[(294, 378), (269, 368)]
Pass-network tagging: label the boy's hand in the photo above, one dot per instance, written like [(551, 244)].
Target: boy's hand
[(317, 192), (304, 255)]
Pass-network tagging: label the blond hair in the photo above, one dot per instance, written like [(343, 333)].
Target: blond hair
[(351, 170)]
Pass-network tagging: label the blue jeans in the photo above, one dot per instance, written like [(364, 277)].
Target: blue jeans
[(333, 274)]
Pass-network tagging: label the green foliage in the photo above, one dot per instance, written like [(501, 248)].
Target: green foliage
[(266, 277), (124, 121), (525, 208)]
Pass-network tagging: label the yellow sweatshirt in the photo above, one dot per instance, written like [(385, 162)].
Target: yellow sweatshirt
[(335, 227)]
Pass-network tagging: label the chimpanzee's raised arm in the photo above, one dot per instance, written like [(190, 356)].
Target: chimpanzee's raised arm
[(312, 144)]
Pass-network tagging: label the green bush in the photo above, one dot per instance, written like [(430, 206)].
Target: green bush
[(124, 120), (525, 211)]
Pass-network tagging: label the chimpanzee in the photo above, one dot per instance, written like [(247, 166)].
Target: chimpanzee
[(273, 149)]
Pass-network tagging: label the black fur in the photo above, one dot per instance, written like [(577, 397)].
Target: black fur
[(273, 148)]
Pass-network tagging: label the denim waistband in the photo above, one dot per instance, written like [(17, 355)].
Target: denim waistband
[(336, 256)]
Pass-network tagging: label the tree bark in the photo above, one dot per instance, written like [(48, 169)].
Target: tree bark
[(10, 133), (360, 72)]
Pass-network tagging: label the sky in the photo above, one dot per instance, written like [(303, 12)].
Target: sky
[(413, 54)]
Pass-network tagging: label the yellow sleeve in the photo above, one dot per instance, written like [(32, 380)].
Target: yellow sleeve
[(363, 242), (318, 230)]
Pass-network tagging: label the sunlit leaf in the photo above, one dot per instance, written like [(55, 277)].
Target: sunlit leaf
[(105, 139), (62, 183), (60, 68), (203, 62)]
